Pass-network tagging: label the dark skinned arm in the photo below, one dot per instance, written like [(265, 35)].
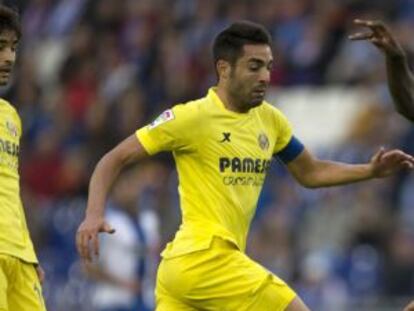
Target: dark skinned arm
[(400, 78)]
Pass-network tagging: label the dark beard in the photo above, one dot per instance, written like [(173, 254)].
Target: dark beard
[(238, 99)]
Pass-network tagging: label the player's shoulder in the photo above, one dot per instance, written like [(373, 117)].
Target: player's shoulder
[(9, 113), (270, 110), (191, 110), (272, 116), (7, 106), (192, 106)]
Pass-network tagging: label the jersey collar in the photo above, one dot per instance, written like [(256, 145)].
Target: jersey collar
[(212, 95)]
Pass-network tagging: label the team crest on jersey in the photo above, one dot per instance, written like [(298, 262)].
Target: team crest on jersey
[(263, 141), (12, 128), (167, 115)]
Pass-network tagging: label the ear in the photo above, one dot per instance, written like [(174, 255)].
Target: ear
[(223, 69)]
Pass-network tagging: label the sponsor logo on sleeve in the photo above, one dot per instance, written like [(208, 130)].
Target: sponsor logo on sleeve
[(11, 128), (166, 116)]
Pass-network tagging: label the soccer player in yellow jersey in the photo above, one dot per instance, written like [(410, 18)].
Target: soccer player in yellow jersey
[(20, 274), (222, 145)]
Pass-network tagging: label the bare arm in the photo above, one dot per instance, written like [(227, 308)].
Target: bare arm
[(400, 79), (410, 307), (105, 173), (313, 173), (401, 85)]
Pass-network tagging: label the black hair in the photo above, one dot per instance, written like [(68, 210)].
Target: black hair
[(9, 20), (228, 45)]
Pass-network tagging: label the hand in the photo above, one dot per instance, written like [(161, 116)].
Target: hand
[(410, 306), (380, 36), (385, 163), (40, 273), (88, 231)]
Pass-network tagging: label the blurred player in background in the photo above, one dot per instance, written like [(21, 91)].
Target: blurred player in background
[(120, 272), (223, 145), (400, 79), (20, 274)]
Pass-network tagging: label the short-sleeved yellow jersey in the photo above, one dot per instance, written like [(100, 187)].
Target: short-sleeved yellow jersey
[(14, 235), (222, 158)]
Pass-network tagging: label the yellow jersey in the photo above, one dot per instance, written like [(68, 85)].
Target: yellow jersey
[(222, 158), (14, 235)]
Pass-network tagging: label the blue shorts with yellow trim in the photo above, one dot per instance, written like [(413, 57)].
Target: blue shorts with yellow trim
[(220, 278), (20, 288)]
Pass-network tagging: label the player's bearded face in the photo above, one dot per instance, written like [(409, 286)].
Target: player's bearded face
[(8, 44), (250, 76), (245, 92)]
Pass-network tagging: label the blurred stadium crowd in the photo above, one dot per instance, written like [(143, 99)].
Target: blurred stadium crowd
[(91, 72)]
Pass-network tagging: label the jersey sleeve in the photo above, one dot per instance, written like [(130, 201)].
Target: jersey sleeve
[(287, 146), (291, 150), (173, 130), (284, 131), (19, 124)]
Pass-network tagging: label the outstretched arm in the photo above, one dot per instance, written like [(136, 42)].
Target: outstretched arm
[(400, 79), (313, 173), (105, 173), (410, 307)]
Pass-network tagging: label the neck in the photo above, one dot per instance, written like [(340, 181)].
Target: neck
[(227, 100)]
